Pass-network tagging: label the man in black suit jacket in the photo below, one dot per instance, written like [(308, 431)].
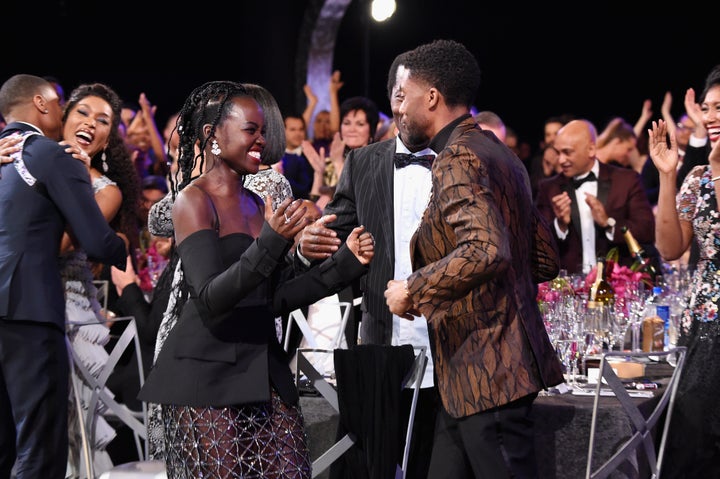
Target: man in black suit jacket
[(43, 192), (373, 192), (588, 216)]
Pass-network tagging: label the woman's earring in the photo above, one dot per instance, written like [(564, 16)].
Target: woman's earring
[(215, 150), (104, 162)]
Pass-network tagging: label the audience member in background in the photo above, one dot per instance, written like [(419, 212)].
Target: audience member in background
[(550, 164), (616, 143), (239, 416), (693, 446), (90, 121), (58, 88), (536, 167), (359, 117), (591, 201), (53, 192), (489, 120), (682, 131), (475, 261), (295, 165), (326, 122), (145, 141)]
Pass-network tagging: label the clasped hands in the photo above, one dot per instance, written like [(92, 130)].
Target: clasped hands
[(290, 218), (317, 241)]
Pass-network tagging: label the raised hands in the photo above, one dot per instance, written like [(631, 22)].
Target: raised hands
[(695, 113), (665, 158)]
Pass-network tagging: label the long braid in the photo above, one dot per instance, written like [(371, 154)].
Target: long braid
[(207, 104)]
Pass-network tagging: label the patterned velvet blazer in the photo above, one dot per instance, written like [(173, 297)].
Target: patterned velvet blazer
[(477, 255)]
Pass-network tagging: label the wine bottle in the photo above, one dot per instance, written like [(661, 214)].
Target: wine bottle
[(601, 292), (639, 253)]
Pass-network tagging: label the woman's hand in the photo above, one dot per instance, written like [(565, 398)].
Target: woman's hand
[(288, 219), (8, 146), (665, 159), (77, 153), (362, 244)]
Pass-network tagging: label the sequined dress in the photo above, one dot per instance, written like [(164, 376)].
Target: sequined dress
[(88, 334), (694, 437)]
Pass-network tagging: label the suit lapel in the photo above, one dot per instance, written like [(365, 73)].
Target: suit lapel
[(574, 210), (603, 184), (385, 197)]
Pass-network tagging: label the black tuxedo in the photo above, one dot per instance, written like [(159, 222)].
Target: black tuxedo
[(621, 192), (38, 201)]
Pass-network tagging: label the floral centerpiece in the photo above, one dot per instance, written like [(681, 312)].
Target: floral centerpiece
[(619, 277), (150, 264)]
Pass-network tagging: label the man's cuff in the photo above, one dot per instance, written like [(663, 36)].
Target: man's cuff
[(302, 258), (560, 233)]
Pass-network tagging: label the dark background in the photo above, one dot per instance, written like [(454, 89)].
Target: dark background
[(595, 66)]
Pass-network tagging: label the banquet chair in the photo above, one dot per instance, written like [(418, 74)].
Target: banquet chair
[(309, 333), (412, 379), (642, 436), (92, 397)]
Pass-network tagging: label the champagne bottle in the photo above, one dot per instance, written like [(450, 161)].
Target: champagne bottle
[(601, 292), (639, 253)]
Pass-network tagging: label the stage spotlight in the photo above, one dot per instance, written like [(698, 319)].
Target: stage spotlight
[(382, 9)]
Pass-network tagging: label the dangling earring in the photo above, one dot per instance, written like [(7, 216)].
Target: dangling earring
[(215, 150), (104, 162)]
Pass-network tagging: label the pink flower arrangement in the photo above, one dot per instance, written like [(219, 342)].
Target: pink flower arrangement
[(150, 265), (619, 277)]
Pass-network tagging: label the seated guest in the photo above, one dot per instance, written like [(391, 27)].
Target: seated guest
[(295, 165), (589, 202)]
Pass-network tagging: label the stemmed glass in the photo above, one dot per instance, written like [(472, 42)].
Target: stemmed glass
[(635, 297)]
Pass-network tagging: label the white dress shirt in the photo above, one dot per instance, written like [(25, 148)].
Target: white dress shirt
[(413, 185), (587, 224)]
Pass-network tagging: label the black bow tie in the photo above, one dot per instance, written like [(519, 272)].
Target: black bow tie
[(577, 182), (404, 159)]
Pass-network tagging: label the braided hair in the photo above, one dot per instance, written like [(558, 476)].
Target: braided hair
[(120, 168), (207, 104)]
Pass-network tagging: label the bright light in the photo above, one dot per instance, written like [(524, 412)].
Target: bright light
[(382, 9)]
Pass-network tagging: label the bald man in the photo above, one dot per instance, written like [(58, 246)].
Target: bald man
[(589, 202)]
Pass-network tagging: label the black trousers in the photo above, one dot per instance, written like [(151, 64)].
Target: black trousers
[(494, 444), (34, 395)]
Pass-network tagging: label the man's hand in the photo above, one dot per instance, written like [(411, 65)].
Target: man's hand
[(597, 209), (318, 241), (399, 301), (8, 146), (561, 208), (362, 244)]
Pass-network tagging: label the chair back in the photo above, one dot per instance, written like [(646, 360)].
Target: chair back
[(412, 379), (101, 400), (643, 428)]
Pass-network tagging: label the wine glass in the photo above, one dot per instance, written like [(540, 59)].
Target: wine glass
[(636, 297), (570, 352)]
